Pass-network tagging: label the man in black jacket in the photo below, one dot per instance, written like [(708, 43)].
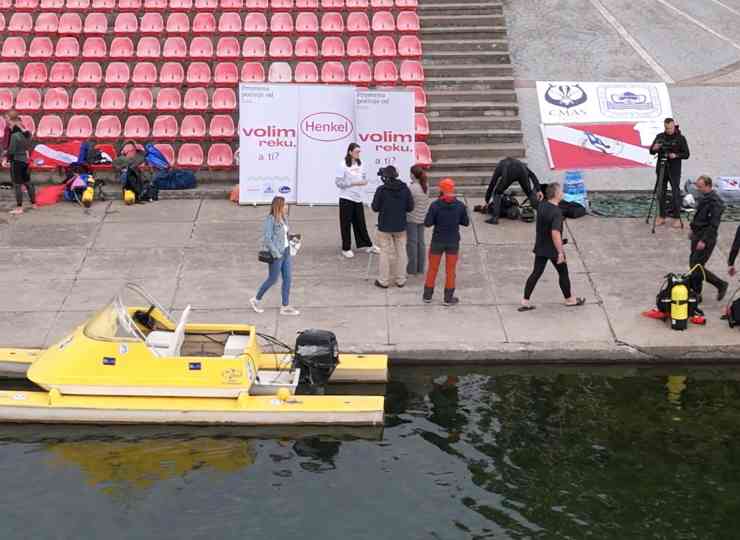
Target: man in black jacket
[(392, 201), (508, 171), (704, 232), (673, 145)]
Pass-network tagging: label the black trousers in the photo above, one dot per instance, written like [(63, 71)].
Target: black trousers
[(352, 216), (702, 258), (539, 267), (501, 187), (21, 176), (674, 180)]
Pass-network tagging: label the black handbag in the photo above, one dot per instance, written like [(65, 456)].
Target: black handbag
[(266, 256)]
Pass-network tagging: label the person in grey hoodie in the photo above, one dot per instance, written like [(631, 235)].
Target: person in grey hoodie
[(18, 150), (416, 249)]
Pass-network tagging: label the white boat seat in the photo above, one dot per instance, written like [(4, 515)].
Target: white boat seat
[(169, 343)]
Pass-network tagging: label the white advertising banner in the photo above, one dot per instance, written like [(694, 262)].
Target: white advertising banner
[(268, 139), (385, 126), (602, 102), (326, 127)]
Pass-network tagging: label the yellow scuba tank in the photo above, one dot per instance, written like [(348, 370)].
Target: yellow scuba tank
[(129, 197), (89, 194), (679, 305)]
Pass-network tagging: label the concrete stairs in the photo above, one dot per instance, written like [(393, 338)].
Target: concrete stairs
[(472, 106)]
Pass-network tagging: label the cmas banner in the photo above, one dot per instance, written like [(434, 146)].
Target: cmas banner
[(268, 142), (385, 124)]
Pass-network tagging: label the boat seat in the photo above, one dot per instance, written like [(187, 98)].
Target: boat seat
[(169, 343), (235, 346)]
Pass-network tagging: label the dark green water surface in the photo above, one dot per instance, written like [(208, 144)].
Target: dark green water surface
[(476, 453)]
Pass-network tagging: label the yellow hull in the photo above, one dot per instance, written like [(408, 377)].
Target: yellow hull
[(53, 408)]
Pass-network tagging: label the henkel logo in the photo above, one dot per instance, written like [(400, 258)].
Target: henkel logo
[(327, 126)]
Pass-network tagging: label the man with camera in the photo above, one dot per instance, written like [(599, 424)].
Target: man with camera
[(671, 147), (508, 171), (704, 232)]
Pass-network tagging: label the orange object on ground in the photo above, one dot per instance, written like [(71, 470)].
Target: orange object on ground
[(655, 314), (49, 195)]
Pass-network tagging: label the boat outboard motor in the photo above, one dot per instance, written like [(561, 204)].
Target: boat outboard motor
[(317, 356)]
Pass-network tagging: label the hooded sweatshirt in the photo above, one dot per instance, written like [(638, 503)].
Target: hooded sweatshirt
[(680, 148), (20, 145), (392, 201), (446, 214)]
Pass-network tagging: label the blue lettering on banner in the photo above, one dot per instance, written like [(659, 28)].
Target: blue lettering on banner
[(285, 189), (109, 361), (194, 366)]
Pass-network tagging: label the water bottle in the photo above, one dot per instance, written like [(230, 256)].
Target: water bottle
[(574, 189)]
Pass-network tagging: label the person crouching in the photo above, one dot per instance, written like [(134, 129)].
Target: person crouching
[(392, 201), (446, 214)]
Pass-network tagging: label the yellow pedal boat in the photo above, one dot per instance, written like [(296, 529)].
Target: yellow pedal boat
[(132, 363)]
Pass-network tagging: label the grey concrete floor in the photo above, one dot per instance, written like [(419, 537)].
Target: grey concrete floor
[(697, 48), (59, 264)]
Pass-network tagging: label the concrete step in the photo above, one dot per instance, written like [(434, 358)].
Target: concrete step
[(436, 45), (474, 135), (465, 155), (461, 177), (468, 83), (456, 71), (463, 95), (461, 20), (446, 122), (478, 108), (456, 33), (468, 8), (437, 58)]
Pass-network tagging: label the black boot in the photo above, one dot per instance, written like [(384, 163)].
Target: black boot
[(428, 293), (495, 209), (450, 298)]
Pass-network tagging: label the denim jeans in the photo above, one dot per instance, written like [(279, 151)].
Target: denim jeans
[(284, 266)]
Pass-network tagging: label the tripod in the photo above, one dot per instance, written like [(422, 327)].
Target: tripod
[(658, 192)]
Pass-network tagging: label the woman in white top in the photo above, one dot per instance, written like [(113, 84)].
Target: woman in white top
[(415, 245), (350, 180)]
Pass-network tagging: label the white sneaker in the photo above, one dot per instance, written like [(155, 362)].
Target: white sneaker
[(348, 254), (289, 310), (256, 305), (372, 249)]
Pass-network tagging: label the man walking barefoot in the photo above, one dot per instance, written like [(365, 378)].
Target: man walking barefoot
[(704, 232)]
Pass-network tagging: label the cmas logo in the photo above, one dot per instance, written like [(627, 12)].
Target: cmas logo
[(566, 96), (284, 190)]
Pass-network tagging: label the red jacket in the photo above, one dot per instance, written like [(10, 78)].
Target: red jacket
[(6, 141)]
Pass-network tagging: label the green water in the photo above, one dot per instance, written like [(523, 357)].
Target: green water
[(475, 453)]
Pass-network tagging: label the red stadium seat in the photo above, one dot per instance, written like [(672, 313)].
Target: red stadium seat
[(46, 23), (117, 74), (383, 22), (359, 5), (165, 127), (196, 99), (126, 24), (94, 48), (175, 48), (226, 73), (230, 23), (152, 24), (28, 99), (20, 23), (168, 99), (220, 156), (420, 98), (113, 99), (281, 47), (26, 5), (255, 23), (306, 47), (204, 24), (255, 5), (145, 73), (123, 48), (190, 156), (409, 47), (91, 73), (181, 5), (78, 5), (50, 127), (421, 126), (155, 5), (56, 99), (281, 5), (231, 5), (140, 99), (10, 74), (193, 126), (332, 23), (358, 47), (336, 5), (358, 23), (35, 74), (254, 48), (423, 155), (359, 73), (2, 27), (306, 24), (384, 47), (107, 5), (412, 72), (280, 72), (41, 48), (332, 72), (281, 23), (167, 151), (385, 72), (70, 24), (129, 5), (206, 5), (137, 127), (79, 127), (51, 5), (201, 48), (223, 99), (306, 72), (381, 4), (64, 73), (307, 5), (178, 23), (15, 47), (6, 100), (148, 48), (96, 24), (332, 47), (407, 4), (408, 22), (253, 72), (199, 74), (84, 99), (221, 127), (171, 74), (228, 49), (28, 123)]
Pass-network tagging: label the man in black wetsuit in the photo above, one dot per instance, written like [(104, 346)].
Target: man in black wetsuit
[(704, 232), (672, 145), (508, 171)]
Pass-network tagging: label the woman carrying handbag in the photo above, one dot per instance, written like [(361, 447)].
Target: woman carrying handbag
[(276, 253)]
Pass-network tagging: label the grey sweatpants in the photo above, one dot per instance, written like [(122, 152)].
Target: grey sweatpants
[(416, 249)]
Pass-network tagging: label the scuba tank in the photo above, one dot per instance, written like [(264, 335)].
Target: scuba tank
[(129, 197), (89, 193), (677, 301), (679, 304)]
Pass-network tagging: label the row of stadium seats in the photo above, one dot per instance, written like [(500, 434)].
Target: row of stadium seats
[(201, 5)]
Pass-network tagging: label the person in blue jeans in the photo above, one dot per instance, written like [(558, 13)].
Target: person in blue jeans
[(275, 240)]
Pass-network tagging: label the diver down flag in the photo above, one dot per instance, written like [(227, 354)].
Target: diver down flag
[(602, 146)]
